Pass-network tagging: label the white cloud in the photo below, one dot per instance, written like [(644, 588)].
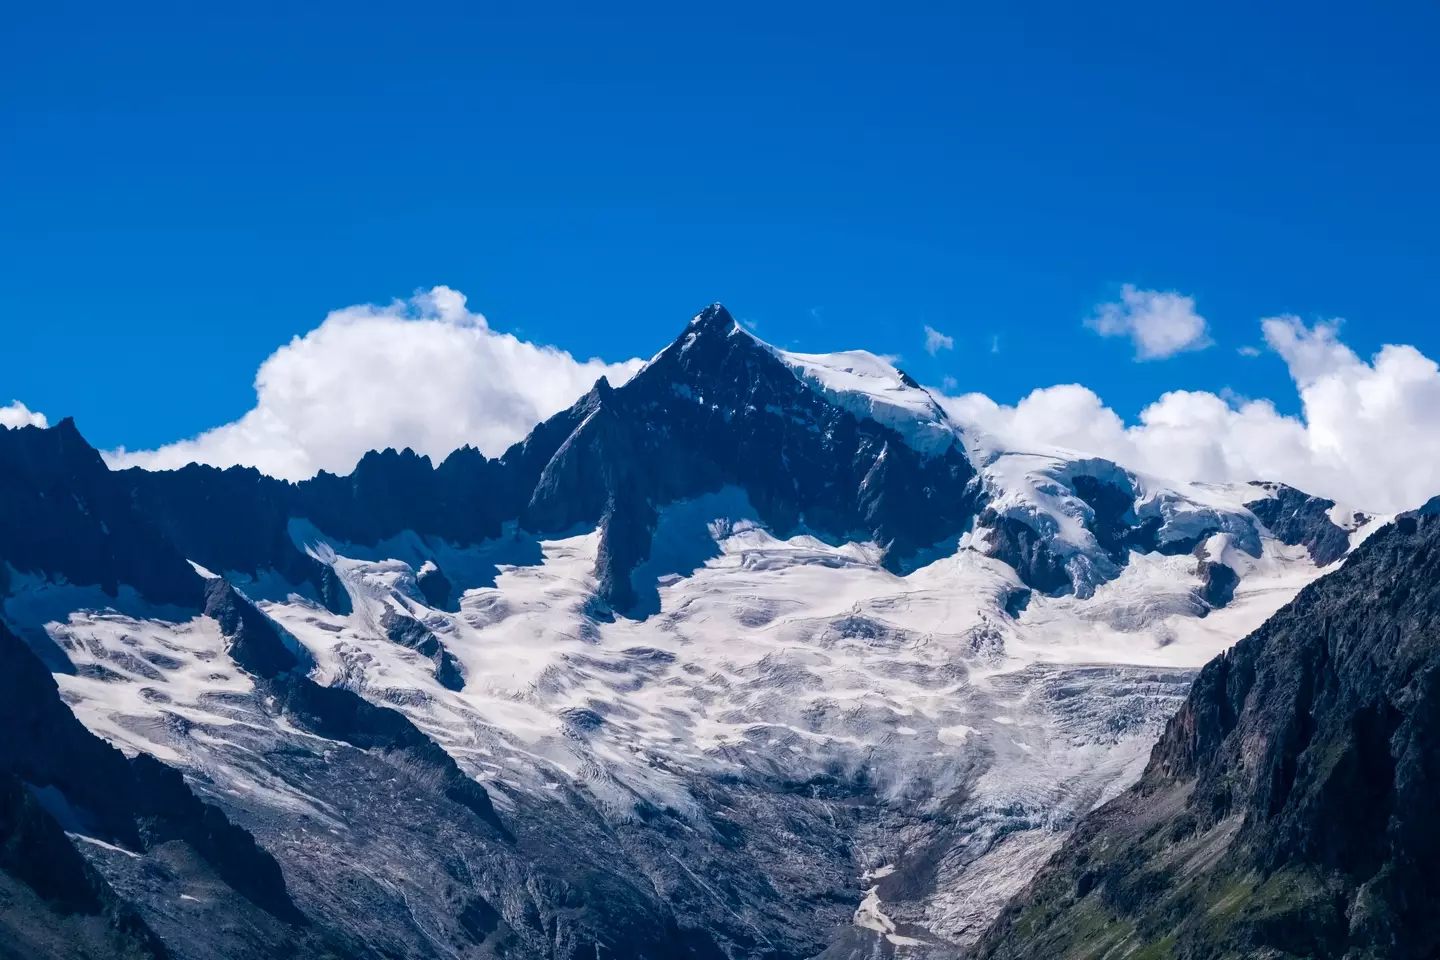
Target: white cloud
[(18, 415), (1367, 434), (935, 341), (424, 373), (1160, 324)]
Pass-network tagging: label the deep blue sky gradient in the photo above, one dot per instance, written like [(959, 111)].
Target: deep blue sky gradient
[(184, 187)]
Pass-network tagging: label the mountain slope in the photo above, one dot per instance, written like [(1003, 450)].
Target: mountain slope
[(55, 776), (1287, 810)]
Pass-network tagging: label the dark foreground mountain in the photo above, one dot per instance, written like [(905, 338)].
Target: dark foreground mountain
[(1289, 810)]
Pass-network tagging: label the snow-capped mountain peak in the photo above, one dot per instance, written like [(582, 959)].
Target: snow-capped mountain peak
[(745, 651), (864, 384)]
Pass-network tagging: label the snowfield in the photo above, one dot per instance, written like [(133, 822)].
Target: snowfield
[(979, 736)]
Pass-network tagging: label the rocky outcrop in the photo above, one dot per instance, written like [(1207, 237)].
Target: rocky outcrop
[(1113, 520), (1287, 810), (255, 643), (409, 632), (435, 587), (1298, 519), (1021, 546), (1217, 583)]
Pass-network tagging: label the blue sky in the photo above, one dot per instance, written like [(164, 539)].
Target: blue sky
[(188, 186)]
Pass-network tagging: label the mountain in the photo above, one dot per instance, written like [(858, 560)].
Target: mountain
[(758, 654), (1287, 811)]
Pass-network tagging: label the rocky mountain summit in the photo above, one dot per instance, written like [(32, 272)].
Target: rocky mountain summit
[(757, 654)]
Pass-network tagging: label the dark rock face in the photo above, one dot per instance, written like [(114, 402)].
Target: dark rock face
[(1016, 602), (1288, 809), (1429, 508), (436, 588), (255, 642), (1296, 518), (1217, 583), (233, 520), (1018, 544), (464, 499), (1114, 524), (62, 515), (839, 474), (409, 632), (237, 520)]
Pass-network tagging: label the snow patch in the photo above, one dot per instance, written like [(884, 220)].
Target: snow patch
[(202, 571), (872, 388)]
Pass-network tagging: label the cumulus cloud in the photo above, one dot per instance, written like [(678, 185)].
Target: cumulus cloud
[(18, 415), (935, 341), (1159, 324), (424, 373), (1367, 434)]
